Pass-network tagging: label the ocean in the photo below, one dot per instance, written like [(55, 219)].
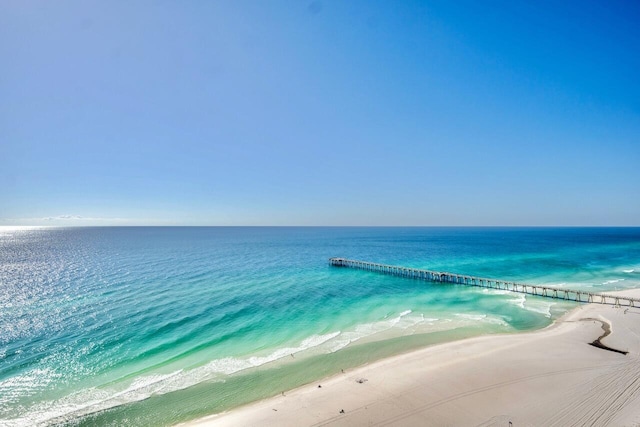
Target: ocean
[(160, 325)]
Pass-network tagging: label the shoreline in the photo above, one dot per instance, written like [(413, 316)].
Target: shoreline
[(529, 378)]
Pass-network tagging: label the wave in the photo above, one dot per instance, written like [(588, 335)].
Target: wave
[(475, 318), (402, 321), (519, 301), (629, 271), (534, 305), (609, 282), (92, 400), (541, 307)]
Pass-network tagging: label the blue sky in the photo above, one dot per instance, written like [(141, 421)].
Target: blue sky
[(319, 113)]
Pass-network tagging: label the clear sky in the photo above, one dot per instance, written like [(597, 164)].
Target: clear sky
[(319, 113)]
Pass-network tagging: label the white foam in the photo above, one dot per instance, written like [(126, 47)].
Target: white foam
[(471, 316), (408, 322), (534, 305), (495, 321), (542, 307), (629, 271), (27, 383), (401, 322), (467, 318), (609, 282), (519, 300), (93, 400)]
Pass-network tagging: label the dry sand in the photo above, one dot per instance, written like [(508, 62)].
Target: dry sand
[(551, 377)]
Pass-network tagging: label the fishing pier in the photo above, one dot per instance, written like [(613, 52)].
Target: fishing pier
[(461, 279)]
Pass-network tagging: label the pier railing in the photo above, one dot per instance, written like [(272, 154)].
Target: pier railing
[(461, 279)]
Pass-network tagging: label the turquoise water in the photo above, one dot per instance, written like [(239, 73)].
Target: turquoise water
[(158, 325)]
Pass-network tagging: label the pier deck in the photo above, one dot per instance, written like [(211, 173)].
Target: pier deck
[(461, 279)]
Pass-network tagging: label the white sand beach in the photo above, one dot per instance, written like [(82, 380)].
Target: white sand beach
[(551, 377)]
